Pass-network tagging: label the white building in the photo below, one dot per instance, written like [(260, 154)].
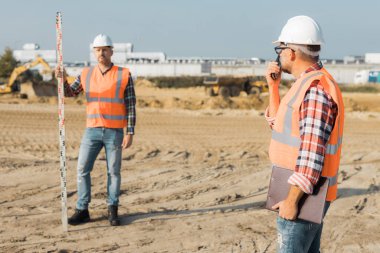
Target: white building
[(31, 51), (372, 58)]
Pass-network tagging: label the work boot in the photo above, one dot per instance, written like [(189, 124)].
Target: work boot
[(79, 217), (112, 216)]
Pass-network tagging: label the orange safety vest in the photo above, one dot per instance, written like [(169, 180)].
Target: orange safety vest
[(286, 141), (105, 96)]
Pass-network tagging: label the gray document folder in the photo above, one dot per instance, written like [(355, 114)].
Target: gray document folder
[(311, 207)]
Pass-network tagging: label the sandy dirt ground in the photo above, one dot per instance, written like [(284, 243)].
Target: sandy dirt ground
[(195, 179)]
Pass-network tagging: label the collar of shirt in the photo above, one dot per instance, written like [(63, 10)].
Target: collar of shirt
[(316, 66), (105, 72)]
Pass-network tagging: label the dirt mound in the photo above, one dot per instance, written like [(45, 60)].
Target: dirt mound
[(350, 105), (33, 90), (175, 102), (219, 103), (192, 98), (149, 102), (251, 102), (144, 83), (362, 102)]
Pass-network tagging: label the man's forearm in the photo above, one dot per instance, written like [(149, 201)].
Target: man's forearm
[(294, 195), (274, 101)]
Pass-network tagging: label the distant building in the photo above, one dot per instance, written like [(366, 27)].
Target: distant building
[(332, 61), (31, 51), (372, 58), (353, 59)]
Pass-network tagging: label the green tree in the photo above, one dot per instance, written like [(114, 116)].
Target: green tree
[(7, 63)]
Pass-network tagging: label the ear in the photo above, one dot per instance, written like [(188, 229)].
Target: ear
[(292, 55)]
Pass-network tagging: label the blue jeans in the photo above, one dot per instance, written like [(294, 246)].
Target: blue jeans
[(93, 141), (299, 236)]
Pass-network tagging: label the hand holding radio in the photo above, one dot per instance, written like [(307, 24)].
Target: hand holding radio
[(273, 74)]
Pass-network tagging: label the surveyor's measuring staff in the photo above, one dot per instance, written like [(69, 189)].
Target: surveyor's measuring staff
[(61, 124)]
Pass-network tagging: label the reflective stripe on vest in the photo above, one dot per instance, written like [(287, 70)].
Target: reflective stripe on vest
[(106, 116), (88, 78), (332, 149), (333, 180)]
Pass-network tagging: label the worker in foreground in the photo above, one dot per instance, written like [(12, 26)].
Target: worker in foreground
[(307, 129), (111, 103)]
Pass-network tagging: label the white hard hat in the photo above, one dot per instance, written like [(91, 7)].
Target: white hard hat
[(102, 40), (301, 30)]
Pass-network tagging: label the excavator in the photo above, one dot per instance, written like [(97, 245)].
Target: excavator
[(29, 89), (8, 87)]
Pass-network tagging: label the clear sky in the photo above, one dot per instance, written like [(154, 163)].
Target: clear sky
[(209, 28)]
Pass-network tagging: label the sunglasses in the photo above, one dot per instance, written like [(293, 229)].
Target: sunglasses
[(279, 49)]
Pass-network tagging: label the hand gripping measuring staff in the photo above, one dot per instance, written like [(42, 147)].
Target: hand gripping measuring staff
[(61, 122)]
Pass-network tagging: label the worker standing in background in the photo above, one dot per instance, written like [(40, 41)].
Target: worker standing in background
[(111, 104), (307, 129)]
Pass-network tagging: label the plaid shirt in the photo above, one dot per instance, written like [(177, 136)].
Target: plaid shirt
[(317, 117), (76, 88)]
